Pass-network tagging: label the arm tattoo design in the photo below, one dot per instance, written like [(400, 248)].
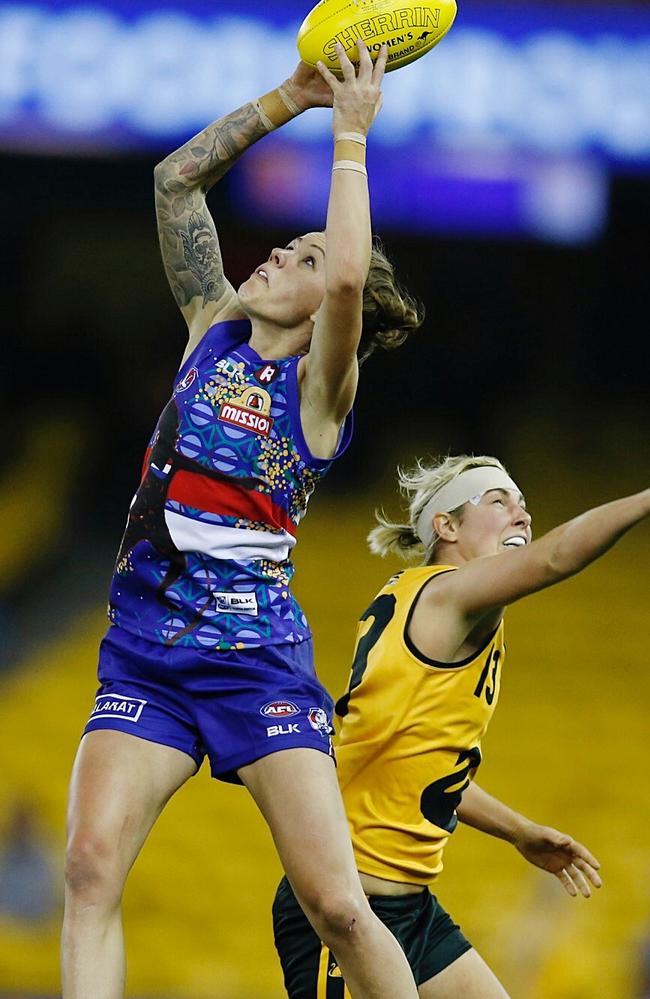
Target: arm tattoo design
[(188, 237), (201, 253)]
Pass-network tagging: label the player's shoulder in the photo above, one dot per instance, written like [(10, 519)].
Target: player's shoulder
[(430, 585), (218, 338), (416, 577)]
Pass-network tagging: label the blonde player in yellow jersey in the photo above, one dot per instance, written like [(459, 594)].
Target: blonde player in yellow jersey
[(425, 682)]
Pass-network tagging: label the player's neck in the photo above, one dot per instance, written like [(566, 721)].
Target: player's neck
[(271, 342)]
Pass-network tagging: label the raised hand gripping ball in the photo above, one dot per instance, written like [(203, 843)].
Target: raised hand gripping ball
[(409, 28)]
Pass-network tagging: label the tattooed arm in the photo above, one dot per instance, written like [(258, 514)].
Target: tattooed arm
[(188, 236), (187, 233)]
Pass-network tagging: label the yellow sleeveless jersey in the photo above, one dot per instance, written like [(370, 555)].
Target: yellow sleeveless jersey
[(409, 740)]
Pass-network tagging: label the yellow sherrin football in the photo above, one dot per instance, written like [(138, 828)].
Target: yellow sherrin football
[(410, 29)]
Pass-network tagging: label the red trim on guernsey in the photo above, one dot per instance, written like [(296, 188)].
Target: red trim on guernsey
[(229, 499), (145, 462)]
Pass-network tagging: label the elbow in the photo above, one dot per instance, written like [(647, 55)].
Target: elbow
[(554, 565), (160, 173), (560, 565)]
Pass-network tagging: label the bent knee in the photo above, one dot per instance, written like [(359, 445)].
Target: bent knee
[(92, 867), (335, 914)]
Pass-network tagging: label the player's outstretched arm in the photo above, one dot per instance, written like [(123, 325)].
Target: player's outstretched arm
[(331, 369), (556, 852), (497, 580), (188, 236)]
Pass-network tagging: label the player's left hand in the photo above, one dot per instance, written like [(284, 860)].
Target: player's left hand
[(308, 88), (357, 97), (556, 852)]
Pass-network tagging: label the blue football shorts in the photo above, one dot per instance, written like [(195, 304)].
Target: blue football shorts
[(233, 707)]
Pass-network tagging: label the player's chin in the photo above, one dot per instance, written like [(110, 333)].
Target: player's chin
[(249, 302), (246, 289)]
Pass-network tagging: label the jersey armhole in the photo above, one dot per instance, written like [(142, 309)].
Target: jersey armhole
[(345, 432), (420, 656), (233, 332)]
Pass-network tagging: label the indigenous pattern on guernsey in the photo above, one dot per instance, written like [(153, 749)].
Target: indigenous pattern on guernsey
[(204, 560)]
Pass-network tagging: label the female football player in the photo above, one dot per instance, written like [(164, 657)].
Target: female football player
[(424, 685), (208, 653)]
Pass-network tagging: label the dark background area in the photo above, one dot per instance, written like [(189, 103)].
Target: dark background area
[(516, 333)]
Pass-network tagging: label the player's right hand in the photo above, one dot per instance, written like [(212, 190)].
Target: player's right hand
[(308, 88)]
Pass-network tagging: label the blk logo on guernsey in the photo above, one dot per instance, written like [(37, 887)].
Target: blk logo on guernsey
[(118, 706), (236, 603)]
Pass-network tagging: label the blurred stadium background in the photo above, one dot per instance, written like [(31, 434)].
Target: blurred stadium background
[(511, 183)]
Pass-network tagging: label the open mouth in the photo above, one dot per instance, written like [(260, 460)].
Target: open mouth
[(515, 542), (262, 275)]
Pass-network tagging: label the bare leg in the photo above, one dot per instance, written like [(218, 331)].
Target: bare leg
[(298, 794), (467, 978), (119, 786)]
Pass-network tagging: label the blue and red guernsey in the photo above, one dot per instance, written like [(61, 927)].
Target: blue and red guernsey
[(205, 558)]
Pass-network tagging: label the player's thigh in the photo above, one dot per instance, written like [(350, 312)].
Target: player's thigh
[(298, 794), (119, 785), (468, 977)]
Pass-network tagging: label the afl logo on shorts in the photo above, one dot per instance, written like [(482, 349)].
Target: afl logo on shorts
[(279, 709), (187, 380)]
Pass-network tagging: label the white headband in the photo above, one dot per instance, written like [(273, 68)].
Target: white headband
[(468, 487)]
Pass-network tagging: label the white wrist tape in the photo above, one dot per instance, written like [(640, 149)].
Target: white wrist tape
[(288, 101), (351, 137), (266, 121), (350, 165)]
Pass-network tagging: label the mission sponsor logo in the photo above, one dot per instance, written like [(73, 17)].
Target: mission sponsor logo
[(247, 419), (250, 411), (279, 709), (118, 706)]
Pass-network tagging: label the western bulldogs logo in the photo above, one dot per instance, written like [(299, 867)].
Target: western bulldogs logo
[(318, 719), (187, 380)]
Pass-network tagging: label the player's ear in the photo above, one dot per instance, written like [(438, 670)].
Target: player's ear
[(445, 527)]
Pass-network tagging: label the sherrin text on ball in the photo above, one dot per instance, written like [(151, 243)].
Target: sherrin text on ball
[(409, 29)]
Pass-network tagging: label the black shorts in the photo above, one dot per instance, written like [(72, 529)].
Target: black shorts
[(427, 934)]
